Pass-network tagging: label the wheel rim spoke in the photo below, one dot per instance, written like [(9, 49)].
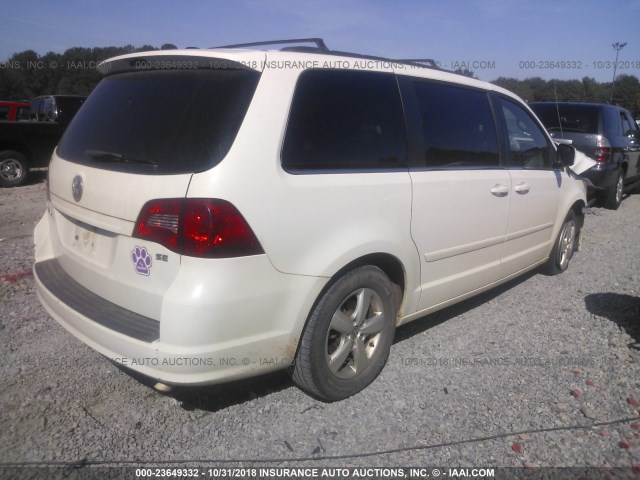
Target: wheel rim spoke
[(341, 322), (373, 325), (362, 307), (360, 358), (337, 358)]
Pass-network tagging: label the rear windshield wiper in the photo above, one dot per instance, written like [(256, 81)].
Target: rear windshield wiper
[(103, 156)]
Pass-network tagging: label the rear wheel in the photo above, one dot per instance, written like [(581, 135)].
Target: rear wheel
[(348, 336), (613, 195), (565, 245), (13, 168)]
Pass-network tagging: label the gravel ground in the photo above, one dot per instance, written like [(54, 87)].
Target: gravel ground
[(544, 371)]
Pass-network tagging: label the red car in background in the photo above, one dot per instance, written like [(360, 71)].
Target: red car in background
[(13, 111)]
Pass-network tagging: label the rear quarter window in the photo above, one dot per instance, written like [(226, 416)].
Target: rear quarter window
[(345, 120)]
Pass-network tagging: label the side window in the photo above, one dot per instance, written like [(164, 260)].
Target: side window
[(49, 109), (4, 113), (528, 145), (343, 119), (628, 125), (23, 113), (458, 126)]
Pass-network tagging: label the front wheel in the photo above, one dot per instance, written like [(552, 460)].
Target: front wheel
[(564, 246), (13, 168), (348, 337)]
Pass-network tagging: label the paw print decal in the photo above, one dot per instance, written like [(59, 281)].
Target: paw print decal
[(142, 260)]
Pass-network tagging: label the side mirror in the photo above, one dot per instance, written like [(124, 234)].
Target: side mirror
[(566, 155)]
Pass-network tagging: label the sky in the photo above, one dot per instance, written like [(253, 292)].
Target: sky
[(559, 39)]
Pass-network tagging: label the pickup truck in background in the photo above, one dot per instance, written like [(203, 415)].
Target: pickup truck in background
[(12, 111), (29, 144)]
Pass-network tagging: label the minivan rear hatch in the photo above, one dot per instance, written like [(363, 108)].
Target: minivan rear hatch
[(149, 125), (152, 122)]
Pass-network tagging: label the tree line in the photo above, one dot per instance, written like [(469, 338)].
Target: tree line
[(626, 90), (26, 75)]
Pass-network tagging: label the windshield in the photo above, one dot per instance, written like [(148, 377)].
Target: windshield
[(164, 121), (572, 118)]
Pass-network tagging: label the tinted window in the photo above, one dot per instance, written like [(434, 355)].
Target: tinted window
[(37, 108), (633, 126), (528, 145), (66, 108), (182, 121), (4, 113), (569, 118), (458, 126), (345, 120), (628, 125), (23, 113)]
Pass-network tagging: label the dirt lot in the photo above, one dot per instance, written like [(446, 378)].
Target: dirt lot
[(544, 371)]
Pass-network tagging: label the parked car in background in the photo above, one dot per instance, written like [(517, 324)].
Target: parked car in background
[(13, 111), (56, 108), (29, 144), (606, 133), (291, 217)]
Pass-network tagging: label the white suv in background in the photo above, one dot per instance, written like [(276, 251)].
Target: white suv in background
[(217, 214)]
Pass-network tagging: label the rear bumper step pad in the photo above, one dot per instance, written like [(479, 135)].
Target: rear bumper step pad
[(94, 307)]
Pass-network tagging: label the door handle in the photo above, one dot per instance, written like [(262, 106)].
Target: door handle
[(500, 190), (522, 188)]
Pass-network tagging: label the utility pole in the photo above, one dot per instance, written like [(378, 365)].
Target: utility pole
[(617, 47)]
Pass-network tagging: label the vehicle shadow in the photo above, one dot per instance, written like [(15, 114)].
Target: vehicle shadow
[(213, 398), (35, 177), (621, 309), (431, 320)]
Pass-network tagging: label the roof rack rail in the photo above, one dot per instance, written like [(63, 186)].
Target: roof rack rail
[(426, 62), (318, 41), (321, 47)]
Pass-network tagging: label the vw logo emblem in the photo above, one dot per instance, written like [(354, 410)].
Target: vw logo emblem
[(77, 187)]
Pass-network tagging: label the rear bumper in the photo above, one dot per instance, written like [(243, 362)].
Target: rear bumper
[(236, 319), (602, 175)]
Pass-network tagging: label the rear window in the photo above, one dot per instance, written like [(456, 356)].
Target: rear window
[(569, 118), (160, 121)]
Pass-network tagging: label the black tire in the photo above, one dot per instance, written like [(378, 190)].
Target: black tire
[(565, 245), (345, 346), (613, 195), (14, 168)]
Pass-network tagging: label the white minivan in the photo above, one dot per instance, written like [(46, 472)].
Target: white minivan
[(217, 214)]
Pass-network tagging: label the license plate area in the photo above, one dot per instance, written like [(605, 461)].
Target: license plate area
[(87, 241)]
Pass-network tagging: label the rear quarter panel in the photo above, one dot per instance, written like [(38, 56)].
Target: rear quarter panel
[(310, 224)]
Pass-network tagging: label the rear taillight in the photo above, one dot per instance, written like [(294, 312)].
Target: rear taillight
[(603, 154), (603, 150), (198, 227)]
